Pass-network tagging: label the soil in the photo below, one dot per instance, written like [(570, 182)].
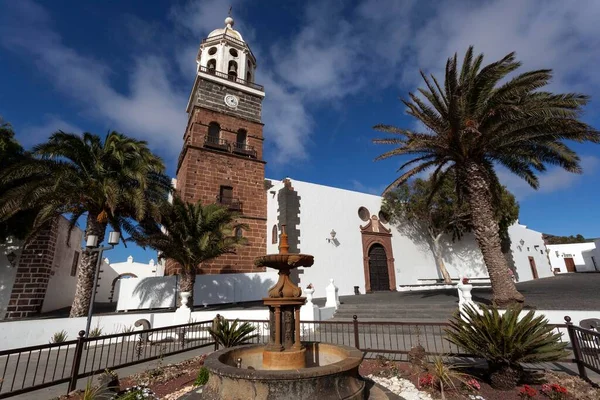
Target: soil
[(577, 388), (173, 380), (163, 380)]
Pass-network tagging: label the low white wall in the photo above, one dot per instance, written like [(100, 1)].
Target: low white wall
[(233, 288), (147, 293), (160, 292), (7, 273), (15, 334)]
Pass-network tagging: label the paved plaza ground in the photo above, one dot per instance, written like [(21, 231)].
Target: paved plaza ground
[(578, 291)]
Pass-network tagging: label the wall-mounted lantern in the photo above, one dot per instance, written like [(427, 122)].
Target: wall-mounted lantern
[(332, 238), (12, 259)]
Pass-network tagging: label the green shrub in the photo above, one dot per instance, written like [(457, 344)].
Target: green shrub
[(232, 334), (506, 341), (59, 337), (202, 377)]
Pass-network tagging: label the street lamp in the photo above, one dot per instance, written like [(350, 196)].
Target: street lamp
[(92, 247)]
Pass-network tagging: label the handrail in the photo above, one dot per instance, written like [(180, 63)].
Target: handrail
[(236, 79)]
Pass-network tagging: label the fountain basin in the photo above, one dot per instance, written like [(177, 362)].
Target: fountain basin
[(331, 373), (285, 261)]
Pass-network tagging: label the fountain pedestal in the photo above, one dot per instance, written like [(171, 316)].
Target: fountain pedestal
[(284, 351)]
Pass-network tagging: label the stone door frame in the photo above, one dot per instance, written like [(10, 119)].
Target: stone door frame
[(375, 233)]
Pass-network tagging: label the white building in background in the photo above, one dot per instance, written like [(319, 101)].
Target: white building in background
[(575, 257), (353, 243), (41, 276), (112, 273)]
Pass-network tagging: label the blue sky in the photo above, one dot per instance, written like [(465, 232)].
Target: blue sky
[(331, 70)]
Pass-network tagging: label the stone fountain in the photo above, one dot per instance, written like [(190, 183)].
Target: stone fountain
[(285, 368)]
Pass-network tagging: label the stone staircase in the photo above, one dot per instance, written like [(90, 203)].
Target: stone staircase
[(397, 312)]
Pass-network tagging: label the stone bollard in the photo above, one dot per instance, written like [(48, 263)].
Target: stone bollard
[(183, 314), (309, 311), (465, 298), (332, 295)]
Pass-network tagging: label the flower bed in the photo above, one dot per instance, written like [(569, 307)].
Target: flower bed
[(403, 379)]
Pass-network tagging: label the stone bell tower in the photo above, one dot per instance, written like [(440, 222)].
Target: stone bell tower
[(222, 156)]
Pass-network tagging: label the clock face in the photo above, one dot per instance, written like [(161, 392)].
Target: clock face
[(231, 101)]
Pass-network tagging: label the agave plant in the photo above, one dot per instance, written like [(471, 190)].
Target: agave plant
[(59, 337), (228, 334), (505, 341)]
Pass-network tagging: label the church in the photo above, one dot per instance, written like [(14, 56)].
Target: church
[(222, 161)]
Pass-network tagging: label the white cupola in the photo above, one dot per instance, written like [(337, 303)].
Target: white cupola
[(225, 54)]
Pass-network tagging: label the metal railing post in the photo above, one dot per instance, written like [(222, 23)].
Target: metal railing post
[(76, 361), (355, 325), (576, 348)]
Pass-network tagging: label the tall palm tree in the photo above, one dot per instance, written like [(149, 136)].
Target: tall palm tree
[(190, 234), (113, 182), (478, 121)]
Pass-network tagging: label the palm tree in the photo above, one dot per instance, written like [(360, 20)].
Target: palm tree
[(478, 121), (113, 182), (190, 234)]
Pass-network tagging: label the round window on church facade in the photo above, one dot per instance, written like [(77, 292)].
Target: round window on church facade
[(383, 217), (212, 50), (233, 52), (363, 213)]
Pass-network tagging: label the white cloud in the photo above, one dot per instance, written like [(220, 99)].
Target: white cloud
[(553, 180), (35, 134), (339, 50), (151, 110)]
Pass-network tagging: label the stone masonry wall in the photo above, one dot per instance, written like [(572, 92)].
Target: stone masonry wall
[(211, 95), (203, 171), (33, 274)]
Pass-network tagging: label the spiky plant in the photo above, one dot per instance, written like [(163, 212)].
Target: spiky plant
[(481, 118), (445, 376), (95, 332), (59, 337), (505, 341), (228, 334)]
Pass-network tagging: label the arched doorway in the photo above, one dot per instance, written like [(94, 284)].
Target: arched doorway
[(378, 268), (114, 288)]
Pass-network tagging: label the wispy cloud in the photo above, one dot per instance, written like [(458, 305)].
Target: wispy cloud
[(151, 109)]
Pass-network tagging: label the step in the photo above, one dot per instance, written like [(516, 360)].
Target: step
[(392, 314), (407, 307)]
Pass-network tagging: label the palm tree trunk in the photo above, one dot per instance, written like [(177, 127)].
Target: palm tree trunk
[(87, 269), (186, 284), (487, 233)]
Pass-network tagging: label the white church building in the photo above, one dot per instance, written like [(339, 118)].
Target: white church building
[(354, 244)]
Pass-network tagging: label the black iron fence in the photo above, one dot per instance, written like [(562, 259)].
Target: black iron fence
[(586, 348), (36, 367)]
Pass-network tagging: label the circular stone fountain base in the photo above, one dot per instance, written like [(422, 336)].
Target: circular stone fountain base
[(331, 373)]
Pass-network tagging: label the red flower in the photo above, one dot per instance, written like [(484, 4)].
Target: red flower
[(426, 380), (527, 392), (465, 281)]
